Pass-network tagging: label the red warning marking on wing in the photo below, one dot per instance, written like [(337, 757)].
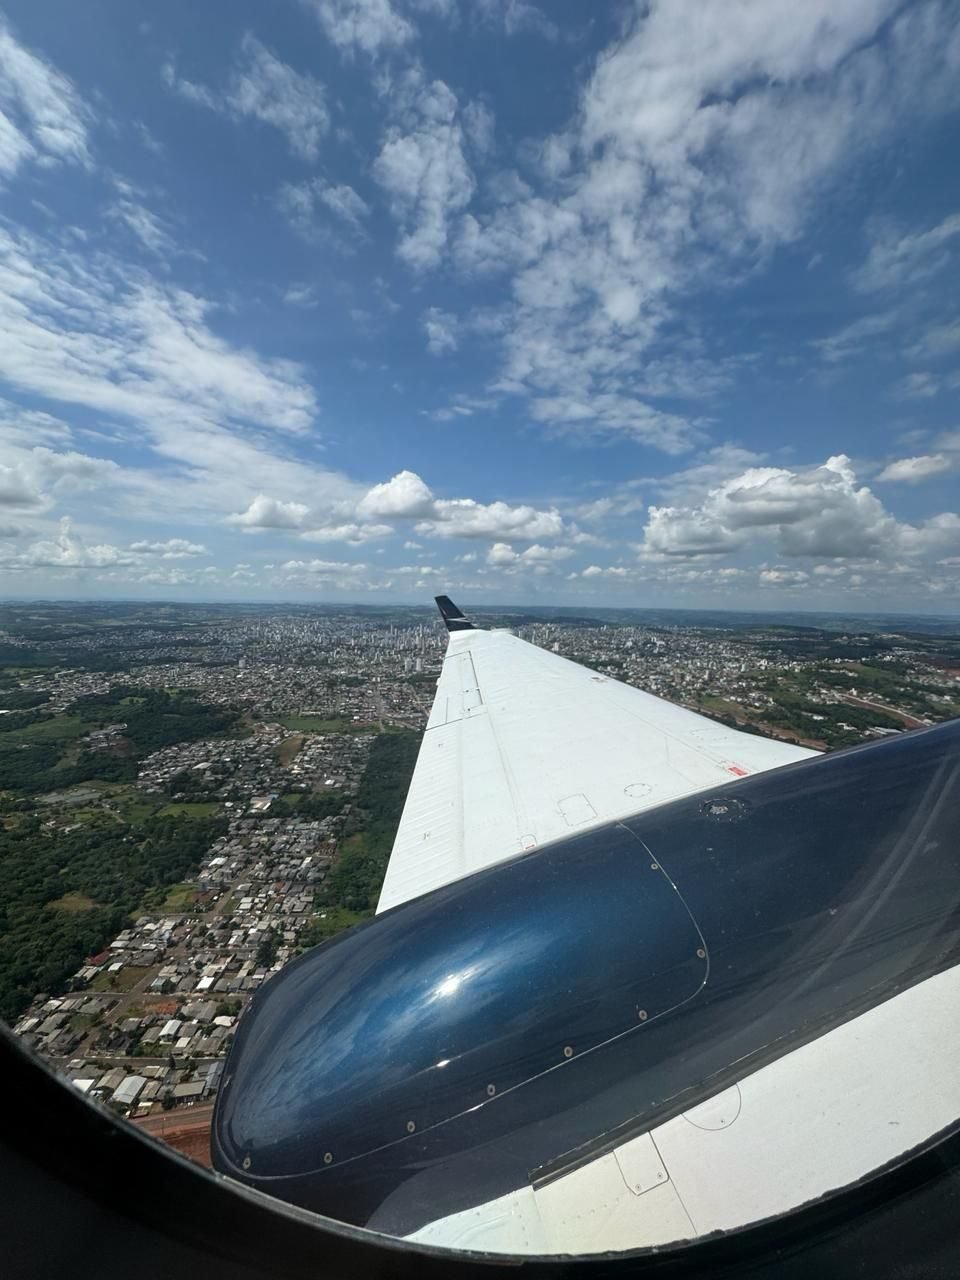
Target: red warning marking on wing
[(736, 769)]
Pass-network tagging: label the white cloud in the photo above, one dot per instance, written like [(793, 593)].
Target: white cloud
[(501, 554), (855, 336), (938, 341), (120, 342), (321, 566), (898, 259), (517, 16), (17, 490), (441, 330), (462, 406), (465, 518), (350, 532), (301, 295), (69, 551), (783, 577), (262, 87), (143, 357), (820, 512), (343, 201), (171, 549), (146, 226), (703, 139), (405, 495), (626, 415), (912, 470), (479, 125), (41, 114), (269, 513), (305, 203), (423, 168), (604, 571), (370, 26), (923, 385)]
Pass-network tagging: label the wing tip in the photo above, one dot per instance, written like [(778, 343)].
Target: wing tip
[(453, 617)]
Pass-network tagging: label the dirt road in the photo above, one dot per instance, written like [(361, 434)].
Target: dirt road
[(186, 1129)]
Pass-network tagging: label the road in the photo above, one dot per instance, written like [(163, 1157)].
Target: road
[(909, 722)]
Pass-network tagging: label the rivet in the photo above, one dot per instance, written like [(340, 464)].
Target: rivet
[(410, 1126), (246, 1162), (328, 1157), (567, 1051), (491, 1090), (642, 1015), (701, 953), (654, 867)]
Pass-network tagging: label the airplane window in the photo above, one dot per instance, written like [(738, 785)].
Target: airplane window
[(480, 615)]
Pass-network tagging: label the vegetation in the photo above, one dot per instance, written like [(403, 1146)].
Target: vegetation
[(111, 868), (327, 925), (190, 809), (311, 805), (320, 724), (355, 878), (70, 883), (43, 756)]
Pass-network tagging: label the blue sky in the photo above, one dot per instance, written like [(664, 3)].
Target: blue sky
[(637, 304)]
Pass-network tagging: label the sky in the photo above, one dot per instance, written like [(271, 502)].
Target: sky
[(630, 304)]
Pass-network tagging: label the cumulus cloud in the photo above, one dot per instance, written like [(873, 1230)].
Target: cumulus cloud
[(404, 495), (605, 571), (407, 496), (68, 550), (349, 532), (821, 512), (502, 554), (465, 518), (265, 512), (913, 470)]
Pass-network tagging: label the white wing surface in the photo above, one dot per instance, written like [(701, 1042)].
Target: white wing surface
[(524, 747)]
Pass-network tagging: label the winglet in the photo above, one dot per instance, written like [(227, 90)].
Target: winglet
[(452, 616)]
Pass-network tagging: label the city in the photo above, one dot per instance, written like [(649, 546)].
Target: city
[(191, 796)]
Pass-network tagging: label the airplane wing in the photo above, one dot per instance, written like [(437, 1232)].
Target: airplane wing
[(524, 747), (686, 1013)]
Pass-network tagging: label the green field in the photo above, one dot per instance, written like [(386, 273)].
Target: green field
[(328, 924), (57, 729), (72, 902), (125, 980), (190, 809), (179, 898), (289, 749), (317, 724)]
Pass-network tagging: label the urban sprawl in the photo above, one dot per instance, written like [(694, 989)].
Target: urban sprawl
[(282, 792)]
